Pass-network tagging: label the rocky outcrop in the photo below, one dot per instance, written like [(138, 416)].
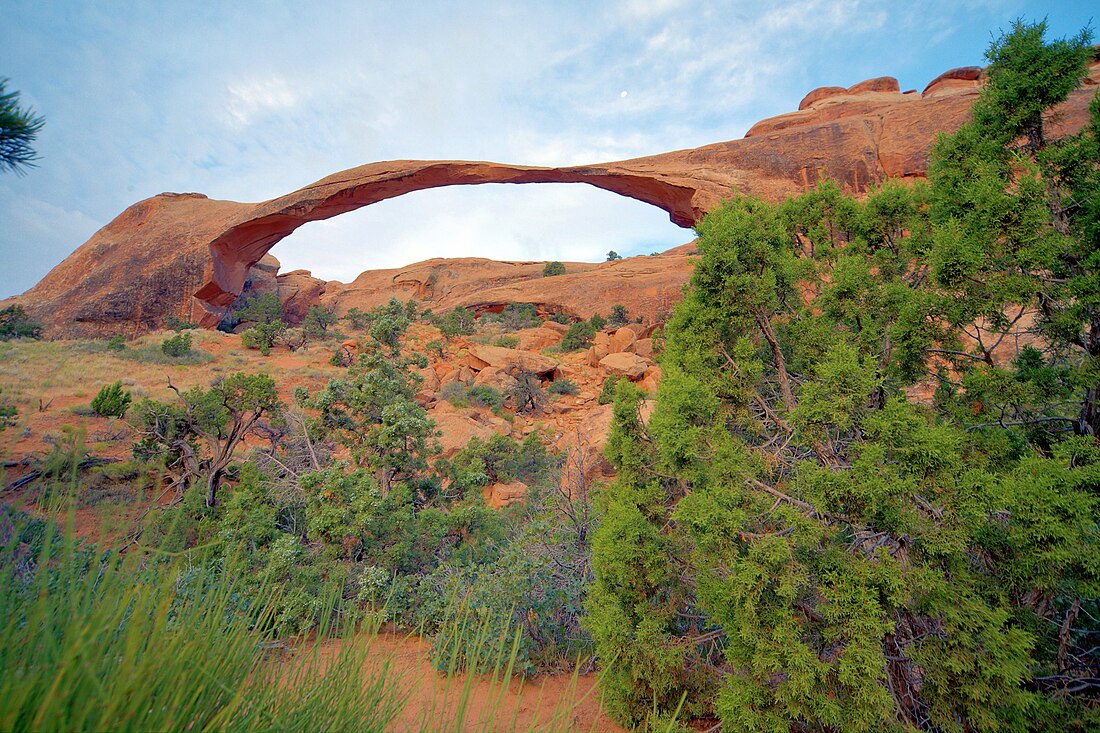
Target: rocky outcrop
[(189, 256)]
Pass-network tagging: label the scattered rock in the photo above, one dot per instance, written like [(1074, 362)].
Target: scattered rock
[(631, 366), (480, 357)]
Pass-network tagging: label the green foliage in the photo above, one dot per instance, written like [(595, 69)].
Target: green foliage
[(262, 308), (435, 346), (607, 391), (507, 342), (116, 343), (112, 400), (515, 316), (178, 324), (18, 129), (578, 336), (563, 386), (526, 393), (262, 336), (14, 321), (8, 412), (612, 256), (373, 412), (317, 322), (790, 542), (553, 268), (619, 315), (561, 318), (597, 321), (389, 322), (161, 647), (176, 346), (458, 321), (358, 318), (200, 432)]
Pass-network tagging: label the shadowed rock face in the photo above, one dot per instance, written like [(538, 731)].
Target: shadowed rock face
[(189, 256)]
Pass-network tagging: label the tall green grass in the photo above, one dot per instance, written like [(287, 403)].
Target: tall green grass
[(93, 642)]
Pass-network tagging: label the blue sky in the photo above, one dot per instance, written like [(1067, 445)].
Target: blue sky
[(250, 100)]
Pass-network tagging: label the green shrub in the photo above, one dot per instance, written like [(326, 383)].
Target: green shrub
[(117, 343), (484, 396), (262, 336), (261, 308), (317, 322), (357, 318), (458, 322), (515, 316), (560, 318), (178, 345), (597, 321), (612, 256), (553, 268), (507, 342), (178, 324), (112, 400), (563, 386), (619, 315), (578, 336), (15, 323), (607, 393)]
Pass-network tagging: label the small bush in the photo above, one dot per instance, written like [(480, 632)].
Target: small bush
[(117, 343), (607, 393), (597, 321), (485, 396), (178, 345), (262, 308), (507, 342), (435, 346), (455, 393), (578, 336), (458, 322), (613, 255), (112, 400), (563, 386), (262, 336), (560, 318), (519, 315), (553, 268), (178, 324), (358, 318), (15, 323), (317, 321), (619, 315)]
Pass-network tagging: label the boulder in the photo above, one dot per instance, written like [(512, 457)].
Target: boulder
[(537, 339), (555, 327), (496, 378), (458, 428), (622, 340), (631, 366), (651, 379), (644, 348), (480, 357), (499, 496)]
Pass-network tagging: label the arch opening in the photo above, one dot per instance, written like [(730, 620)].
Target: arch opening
[(551, 221)]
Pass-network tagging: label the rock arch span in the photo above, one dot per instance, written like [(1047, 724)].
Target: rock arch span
[(188, 256)]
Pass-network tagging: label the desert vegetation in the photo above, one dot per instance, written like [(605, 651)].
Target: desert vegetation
[(863, 497)]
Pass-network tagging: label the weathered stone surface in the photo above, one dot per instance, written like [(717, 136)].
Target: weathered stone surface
[(501, 495), (630, 366), (507, 360), (496, 378), (189, 256), (537, 339), (644, 348), (622, 340)]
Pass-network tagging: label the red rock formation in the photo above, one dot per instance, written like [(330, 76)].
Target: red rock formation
[(190, 256)]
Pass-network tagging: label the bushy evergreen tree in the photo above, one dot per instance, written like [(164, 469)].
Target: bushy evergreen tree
[(793, 543)]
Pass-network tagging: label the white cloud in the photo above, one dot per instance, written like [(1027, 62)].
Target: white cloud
[(253, 98)]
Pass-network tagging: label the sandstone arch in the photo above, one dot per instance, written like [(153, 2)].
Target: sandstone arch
[(189, 256)]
